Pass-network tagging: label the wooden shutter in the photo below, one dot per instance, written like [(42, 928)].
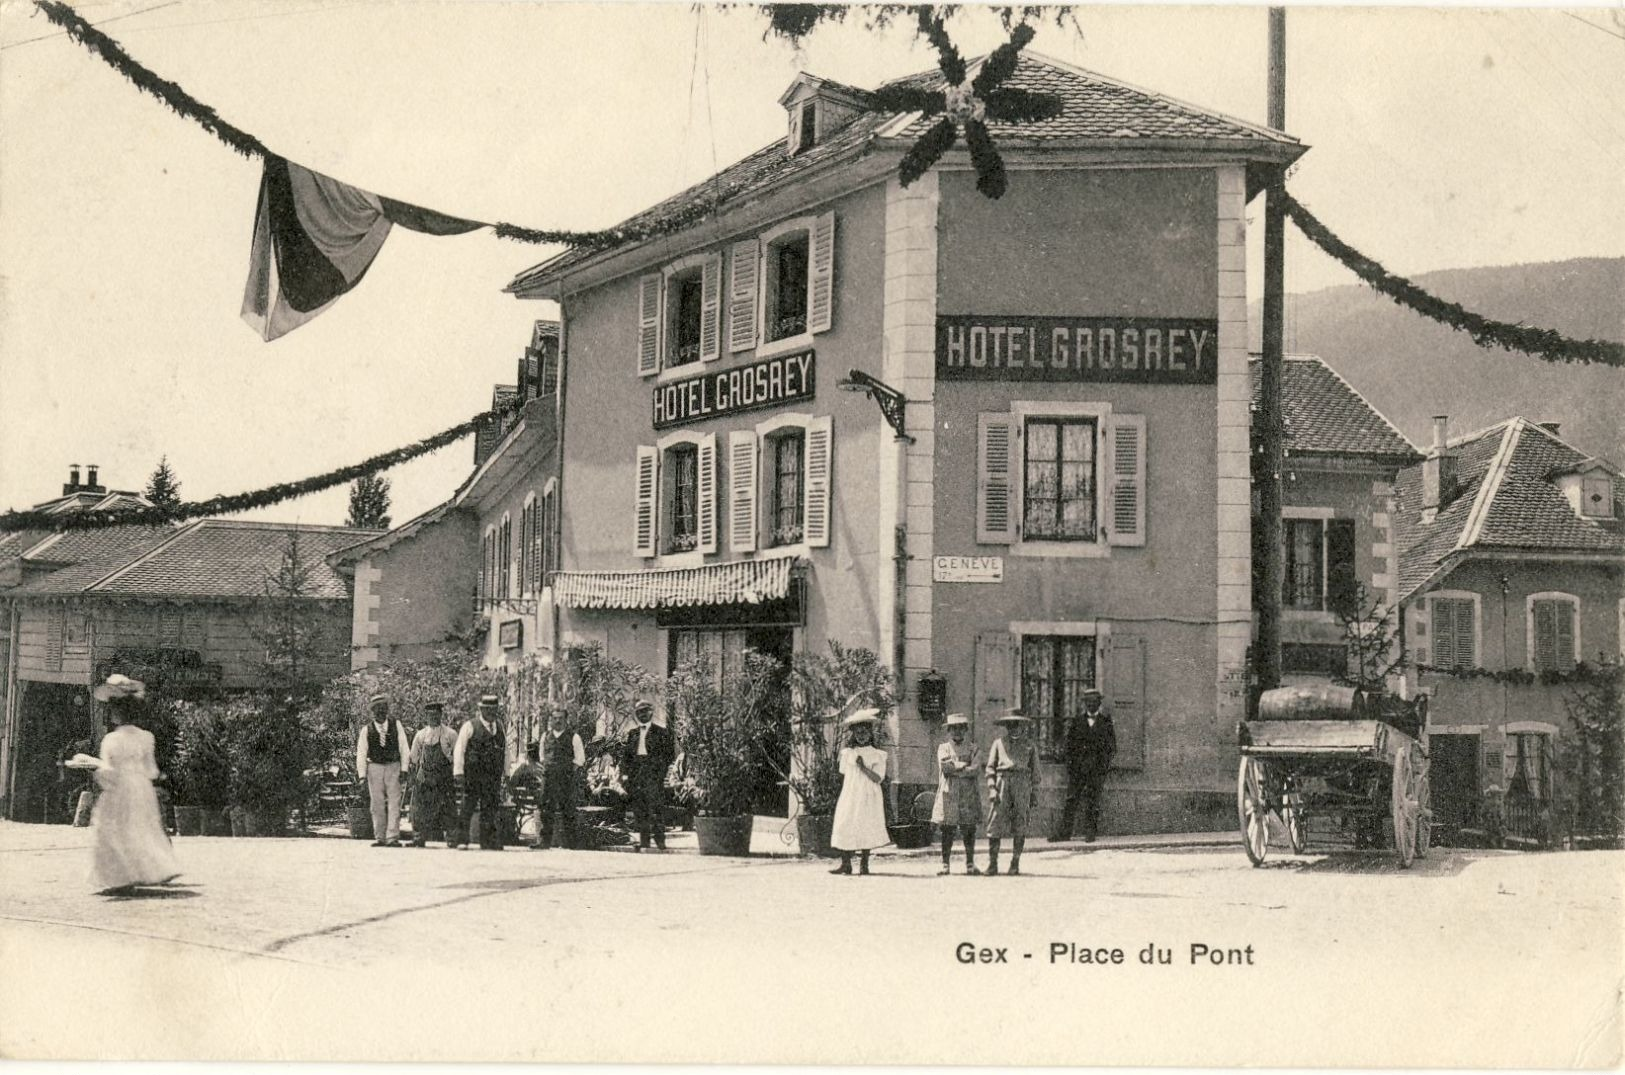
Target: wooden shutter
[(1342, 582), (742, 482), (744, 268), (1127, 490), (1466, 650), (55, 627), (817, 481), (1125, 696), (1554, 636), (995, 479), (711, 309), (550, 535), (1452, 628), (821, 273), (649, 325), (644, 528), (705, 484), (524, 550), (996, 677)]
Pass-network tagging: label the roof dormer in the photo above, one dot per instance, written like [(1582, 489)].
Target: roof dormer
[(1589, 487), (815, 108)]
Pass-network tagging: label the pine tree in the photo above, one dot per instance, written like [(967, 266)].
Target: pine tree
[(369, 503), (289, 626), (162, 488)]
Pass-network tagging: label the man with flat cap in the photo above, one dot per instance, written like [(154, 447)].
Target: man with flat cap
[(477, 762), (381, 758), (648, 754), (1087, 746), (563, 759), (434, 792)]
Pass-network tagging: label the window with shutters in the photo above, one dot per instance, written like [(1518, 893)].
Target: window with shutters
[(1318, 568), (683, 330), (505, 558), (527, 546), (548, 546), (682, 496), (1528, 760), (1552, 623), (1453, 624), (487, 584), (1055, 671), (795, 487), (787, 276), (1058, 479), (797, 281), (788, 451), (680, 315), (683, 510)]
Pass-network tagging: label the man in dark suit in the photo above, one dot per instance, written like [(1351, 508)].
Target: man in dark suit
[(1087, 748), (647, 755)]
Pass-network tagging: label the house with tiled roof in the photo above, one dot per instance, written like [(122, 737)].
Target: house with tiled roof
[(1001, 443), (1512, 552), (180, 608), (1337, 501)]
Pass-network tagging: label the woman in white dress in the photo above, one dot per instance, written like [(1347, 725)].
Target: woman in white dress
[(860, 812), (132, 848)]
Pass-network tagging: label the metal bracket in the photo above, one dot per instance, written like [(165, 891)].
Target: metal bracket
[(889, 399)]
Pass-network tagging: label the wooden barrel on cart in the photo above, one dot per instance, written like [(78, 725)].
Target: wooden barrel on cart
[(1320, 701)]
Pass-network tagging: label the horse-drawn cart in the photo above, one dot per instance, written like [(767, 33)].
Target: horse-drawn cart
[(1335, 751)]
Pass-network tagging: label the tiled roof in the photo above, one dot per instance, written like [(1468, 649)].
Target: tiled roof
[(1505, 500), (80, 546), (1326, 416), (210, 558), (1095, 110)]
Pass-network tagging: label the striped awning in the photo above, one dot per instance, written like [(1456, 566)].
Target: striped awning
[(743, 582)]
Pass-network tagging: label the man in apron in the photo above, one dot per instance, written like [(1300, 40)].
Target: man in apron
[(434, 791), (477, 764)]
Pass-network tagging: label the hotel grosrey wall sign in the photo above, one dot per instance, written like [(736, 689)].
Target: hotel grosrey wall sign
[(1136, 350), (765, 383)]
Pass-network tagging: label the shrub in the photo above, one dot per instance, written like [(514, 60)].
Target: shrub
[(720, 721)]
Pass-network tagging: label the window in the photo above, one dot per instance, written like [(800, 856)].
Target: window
[(547, 555), (488, 565), (505, 558), (807, 132), (1455, 632), (1552, 623), (1058, 478), (797, 281), (1597, 496), (686, 303), (527, 545), (1526, 766), (788, 457), (1318, 569), (1055, 670), (787, 286), (682, 469)]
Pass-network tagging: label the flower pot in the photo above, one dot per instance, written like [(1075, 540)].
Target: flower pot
[(259, 821), (910, 836), (215, 821), (812, 834), (360, 816), (188, 821), (724, 835)]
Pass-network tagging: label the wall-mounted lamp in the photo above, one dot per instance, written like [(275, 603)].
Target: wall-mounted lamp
[(889, 399), (931, 699)]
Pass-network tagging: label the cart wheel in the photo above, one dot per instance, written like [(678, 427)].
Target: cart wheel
[(1252, 809), (1424, 817), (1403, 793), (1297, 822)]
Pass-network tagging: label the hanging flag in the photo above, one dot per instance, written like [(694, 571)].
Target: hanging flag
[(314, 239)]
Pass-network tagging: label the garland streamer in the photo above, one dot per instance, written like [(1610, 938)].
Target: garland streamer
[(259, 498), (1542, 343)]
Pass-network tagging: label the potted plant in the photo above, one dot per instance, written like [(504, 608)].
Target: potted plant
[(824, 688), (267, 750), (717, 731), (201, 771)]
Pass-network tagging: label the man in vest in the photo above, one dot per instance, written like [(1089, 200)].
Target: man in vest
[(648, 755), (563, 759), (1087, 748), (477, 763), (381, 757)]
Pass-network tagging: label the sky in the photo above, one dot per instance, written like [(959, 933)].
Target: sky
[(1440, 138)]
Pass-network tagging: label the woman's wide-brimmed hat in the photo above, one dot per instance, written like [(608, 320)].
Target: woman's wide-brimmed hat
[(862, 716), (120, 686), (1013, 716), (956, 720)]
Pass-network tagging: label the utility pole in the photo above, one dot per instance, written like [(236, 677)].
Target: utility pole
[(1270, 428)]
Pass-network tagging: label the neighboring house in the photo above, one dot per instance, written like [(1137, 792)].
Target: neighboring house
[(476, 562), (1052, 491), (179, 608), (1511, 556), (1337, 505)]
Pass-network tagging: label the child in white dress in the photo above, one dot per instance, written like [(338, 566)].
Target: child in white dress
[(860, 812)]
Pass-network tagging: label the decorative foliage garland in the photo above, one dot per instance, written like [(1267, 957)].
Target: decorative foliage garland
[(1542, 343), (259, 498), (1582, 672)]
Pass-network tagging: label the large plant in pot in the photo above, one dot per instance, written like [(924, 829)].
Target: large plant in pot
[(719, 724), (200, 771), (824, 688), (266, 746)]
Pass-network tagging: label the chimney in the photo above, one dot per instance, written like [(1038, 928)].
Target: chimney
[(73, 480), (1438, 471), (1554, 428), (90, 482)]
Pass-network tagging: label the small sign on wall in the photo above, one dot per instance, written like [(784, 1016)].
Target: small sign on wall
[(511, 634), (967, 569)]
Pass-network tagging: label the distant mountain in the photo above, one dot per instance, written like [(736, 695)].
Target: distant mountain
[(1411, 368)]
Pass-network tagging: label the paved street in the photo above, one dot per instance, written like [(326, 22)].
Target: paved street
[(555, 955)]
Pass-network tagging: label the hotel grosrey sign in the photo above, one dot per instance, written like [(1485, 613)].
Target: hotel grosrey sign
[(1136, 350), (765, 383)]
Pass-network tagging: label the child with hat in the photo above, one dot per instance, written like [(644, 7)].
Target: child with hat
[(1012, 788), (860, 812), (958, 804)]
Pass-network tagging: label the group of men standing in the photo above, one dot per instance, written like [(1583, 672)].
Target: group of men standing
[(467, 767)]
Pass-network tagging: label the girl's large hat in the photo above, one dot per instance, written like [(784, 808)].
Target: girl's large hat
[(862, 716), (1013, 716), (956, 720), (120, 686)]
